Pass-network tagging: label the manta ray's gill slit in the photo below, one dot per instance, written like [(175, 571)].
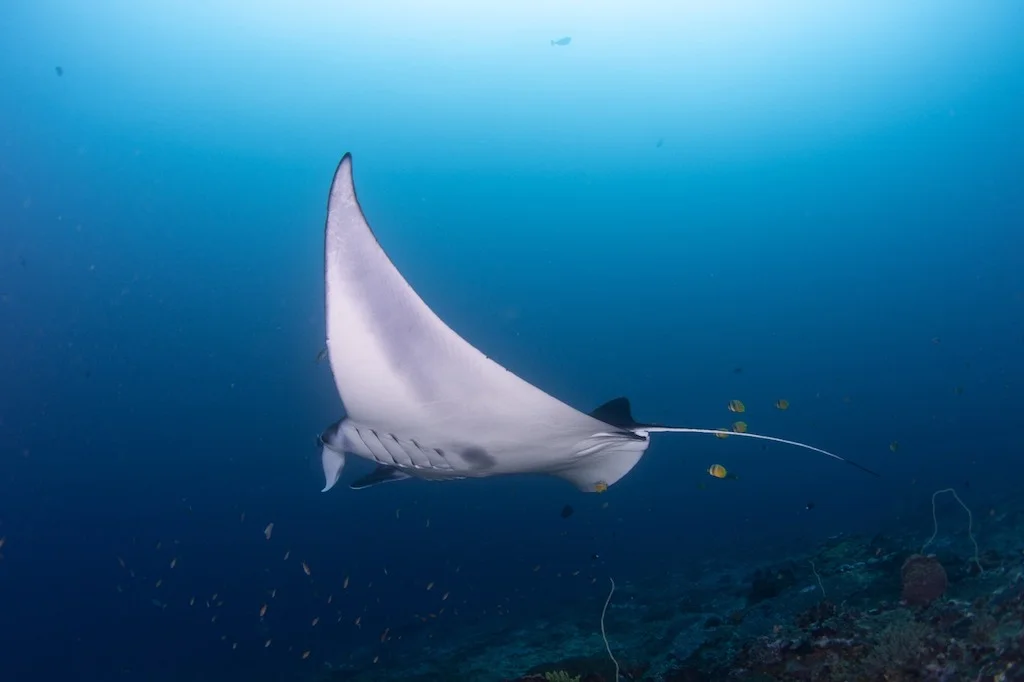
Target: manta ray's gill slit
[(390, 450), (416, 455), (374, 446), (395, 449), (387, 450), (435, 458)]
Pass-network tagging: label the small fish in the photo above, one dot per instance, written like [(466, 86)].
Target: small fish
[(740, 427), (59, 70), (192, 601), (344, 585), (384, 635), (315, 621), (660, 142), (287, 554), (444, 597), (159, 582), (736, 406), (562, 42), (358, 621), (782, 404), (810, 506), (894, 446), (267, 645), (263, 610), (305, 568), (600, 487), (430, 586), (321, 355), (174, 562), (719, 471), (722, 433), (305, 655), (268, 530), (567, 511)]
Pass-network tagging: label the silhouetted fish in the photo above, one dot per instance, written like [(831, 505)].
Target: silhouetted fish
[(60, 71), (561, 41), (566, 511)]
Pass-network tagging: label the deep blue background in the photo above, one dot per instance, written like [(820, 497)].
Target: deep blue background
[(857, 250)]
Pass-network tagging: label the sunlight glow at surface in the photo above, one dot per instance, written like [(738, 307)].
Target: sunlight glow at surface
[(423, 76)]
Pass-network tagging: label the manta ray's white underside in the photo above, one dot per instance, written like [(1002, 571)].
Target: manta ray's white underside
[(422, 402)]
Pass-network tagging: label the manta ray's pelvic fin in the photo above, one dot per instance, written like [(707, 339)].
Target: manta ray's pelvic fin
[(382, 474)]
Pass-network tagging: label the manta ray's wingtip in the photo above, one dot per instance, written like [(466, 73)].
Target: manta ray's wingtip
[(344, 169), (343, 189)]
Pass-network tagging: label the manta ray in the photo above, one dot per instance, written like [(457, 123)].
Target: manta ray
[(421, 402)]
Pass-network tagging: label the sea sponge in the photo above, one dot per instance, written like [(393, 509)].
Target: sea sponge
[(924, 579)]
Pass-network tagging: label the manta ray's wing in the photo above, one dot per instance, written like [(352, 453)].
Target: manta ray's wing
[(400, 370)]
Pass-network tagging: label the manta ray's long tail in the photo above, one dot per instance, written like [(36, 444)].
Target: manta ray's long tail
[(686, 429)]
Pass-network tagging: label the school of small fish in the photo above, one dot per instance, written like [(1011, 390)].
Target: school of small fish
[(211, 605)]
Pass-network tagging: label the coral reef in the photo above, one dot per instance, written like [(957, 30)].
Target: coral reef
[(855, 609)]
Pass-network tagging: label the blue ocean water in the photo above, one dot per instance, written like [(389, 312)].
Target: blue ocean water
[(688, 204)]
